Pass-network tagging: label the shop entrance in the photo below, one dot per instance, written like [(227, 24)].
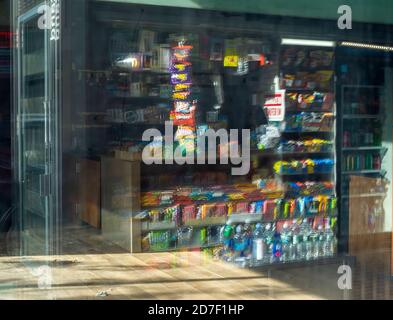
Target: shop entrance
[(36, 139)]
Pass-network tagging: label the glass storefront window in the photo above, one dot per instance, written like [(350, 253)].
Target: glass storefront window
[(255, 137)]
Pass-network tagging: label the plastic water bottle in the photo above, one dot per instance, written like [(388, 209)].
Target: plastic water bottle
[(258, 245), (305, 233), (268, 236), (277, 247), (329, 247), (296, 242), (321, 241), (247, 238), (287, 246), (238, 242), (314, 244)]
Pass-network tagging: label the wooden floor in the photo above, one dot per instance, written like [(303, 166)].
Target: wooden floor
[(90, 268)]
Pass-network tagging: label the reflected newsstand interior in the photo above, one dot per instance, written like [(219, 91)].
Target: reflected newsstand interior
[(319, 113)]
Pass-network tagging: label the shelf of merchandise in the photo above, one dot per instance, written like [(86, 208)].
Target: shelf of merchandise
[(235, 218), (354, 117), (289, 89), (309, 110), (364, 195), (140, 98), (376, 171), (328, 131), (335, 259), (346, 119), (307, 131), (306, 173), (365, 148), (186, 248), (278, 154), (361, 116)]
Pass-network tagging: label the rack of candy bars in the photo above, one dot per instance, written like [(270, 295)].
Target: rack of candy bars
[(195, 217), (183, 114)]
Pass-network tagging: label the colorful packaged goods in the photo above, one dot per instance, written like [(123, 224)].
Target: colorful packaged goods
[(159, 240), (169, 214), (189, 213), (315, 101), (297, 189), (307, 166), (182, 53), (307, 145), (310, 122)]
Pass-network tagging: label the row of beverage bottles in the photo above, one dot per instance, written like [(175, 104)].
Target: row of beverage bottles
[(366, 161), (272, 243)]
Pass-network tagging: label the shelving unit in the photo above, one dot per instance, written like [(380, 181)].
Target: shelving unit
[(362, 157), (146, 221), (363, 123), (294, 134)]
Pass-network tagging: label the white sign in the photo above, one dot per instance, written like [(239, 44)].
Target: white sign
[(50, 19), (275, 106)]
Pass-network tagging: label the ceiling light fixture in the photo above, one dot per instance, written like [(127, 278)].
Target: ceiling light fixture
[(305, 42), (366, 46)]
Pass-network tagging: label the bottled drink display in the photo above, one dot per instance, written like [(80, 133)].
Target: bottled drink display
[(296, 240)]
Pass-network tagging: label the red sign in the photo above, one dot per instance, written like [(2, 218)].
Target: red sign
[(275, 106)]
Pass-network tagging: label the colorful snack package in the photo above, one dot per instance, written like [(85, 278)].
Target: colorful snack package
[(183, 119), (183, 67), (181, 95), (289, 80), (242, 207), (189, 213), (182, 87), (185, 132), (269, 207), (183, 107), (207, 211), (180, 78), (259, 207), (221, 210), (182, 53)]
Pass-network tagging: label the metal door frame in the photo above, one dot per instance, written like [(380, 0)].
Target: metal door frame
[(51, 101)]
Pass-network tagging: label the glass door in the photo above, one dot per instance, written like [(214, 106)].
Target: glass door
[(37, 165)]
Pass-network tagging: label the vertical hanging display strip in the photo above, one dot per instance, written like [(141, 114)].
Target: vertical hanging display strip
[(183, 113)]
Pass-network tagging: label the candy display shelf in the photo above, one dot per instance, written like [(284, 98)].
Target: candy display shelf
[(308, 131), (329, 172), (291, 89), (276, 153)]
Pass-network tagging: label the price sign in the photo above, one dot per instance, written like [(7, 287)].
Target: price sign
[(275, 106)]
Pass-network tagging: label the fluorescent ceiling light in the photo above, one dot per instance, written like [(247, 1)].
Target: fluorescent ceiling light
[(366, 46), (305, 42)]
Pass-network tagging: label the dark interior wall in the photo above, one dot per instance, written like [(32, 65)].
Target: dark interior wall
[(5, 110), (4, 13)]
